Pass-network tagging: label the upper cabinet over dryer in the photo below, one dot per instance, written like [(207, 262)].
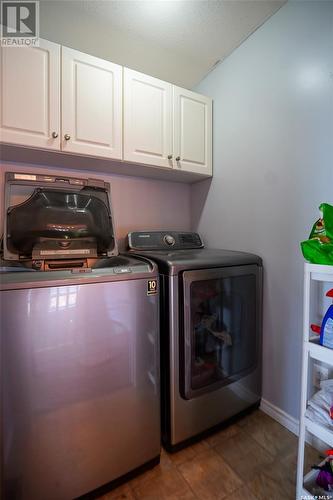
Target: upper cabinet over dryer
[(192, 131), (56, 98), (165, 125)]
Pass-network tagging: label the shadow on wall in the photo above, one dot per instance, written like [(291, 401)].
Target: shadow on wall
[(199, 193)]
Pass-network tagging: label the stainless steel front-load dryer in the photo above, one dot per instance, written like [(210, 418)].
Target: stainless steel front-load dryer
[(211, 303)]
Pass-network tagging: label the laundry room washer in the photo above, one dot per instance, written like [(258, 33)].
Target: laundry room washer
[(79, 344), (210, 332)]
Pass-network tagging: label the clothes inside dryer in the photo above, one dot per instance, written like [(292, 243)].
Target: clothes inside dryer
[(223, 316)]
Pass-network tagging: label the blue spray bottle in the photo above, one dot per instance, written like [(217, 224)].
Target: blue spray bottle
[(326, 330)]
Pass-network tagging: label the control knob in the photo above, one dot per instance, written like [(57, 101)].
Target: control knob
[(169, 240)]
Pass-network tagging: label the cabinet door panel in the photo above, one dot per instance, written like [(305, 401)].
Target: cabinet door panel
[(30, 95), (193, 131), (91, 105), (147, 119)]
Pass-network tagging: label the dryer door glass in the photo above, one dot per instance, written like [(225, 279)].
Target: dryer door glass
[(221, 327)]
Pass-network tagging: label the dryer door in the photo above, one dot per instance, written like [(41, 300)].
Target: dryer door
[(221, 337)]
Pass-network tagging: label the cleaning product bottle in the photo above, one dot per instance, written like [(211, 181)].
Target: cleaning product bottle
[(326, 330)]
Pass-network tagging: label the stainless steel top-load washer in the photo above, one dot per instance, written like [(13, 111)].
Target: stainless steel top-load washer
[(80, 402), (211, 332)]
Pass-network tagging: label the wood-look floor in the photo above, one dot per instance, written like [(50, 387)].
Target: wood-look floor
[(254, 459)]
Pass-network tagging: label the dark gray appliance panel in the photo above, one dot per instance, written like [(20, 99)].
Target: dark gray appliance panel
[(221, 330)]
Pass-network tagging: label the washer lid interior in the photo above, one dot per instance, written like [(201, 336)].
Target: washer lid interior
[(54, 219)]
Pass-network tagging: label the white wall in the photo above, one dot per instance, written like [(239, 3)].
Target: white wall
[(273, 165), (138, 204)]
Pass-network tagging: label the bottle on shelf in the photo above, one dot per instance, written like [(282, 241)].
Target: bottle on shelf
[(326, 329)]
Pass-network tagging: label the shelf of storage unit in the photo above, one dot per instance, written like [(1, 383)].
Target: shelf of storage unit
[(319, 352), (313, 274), (319, 272), (320, 431)]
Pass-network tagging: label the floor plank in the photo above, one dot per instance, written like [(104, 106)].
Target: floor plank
[(189, 452), (244, 455), (209, 476), (162, 482)]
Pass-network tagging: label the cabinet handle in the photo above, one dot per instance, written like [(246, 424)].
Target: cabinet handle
[(67, 137), (54, 135), (169, 157), (177, 158)]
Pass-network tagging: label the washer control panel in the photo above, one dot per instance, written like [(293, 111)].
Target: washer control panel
[(162, 240), (169, 240)]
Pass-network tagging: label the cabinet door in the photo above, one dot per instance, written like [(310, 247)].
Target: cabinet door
[(30, 96), (91, 105), (192, 131), (147, 119)]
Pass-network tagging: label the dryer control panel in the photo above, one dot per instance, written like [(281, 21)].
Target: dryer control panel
[(163, 240)]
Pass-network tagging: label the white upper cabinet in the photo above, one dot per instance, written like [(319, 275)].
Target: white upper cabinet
[(30, 95), (165, 125), (192, 133), (54, 97), (147, 119), (91, 105)]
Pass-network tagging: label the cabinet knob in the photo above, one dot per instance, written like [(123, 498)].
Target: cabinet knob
[(169, 157), (54, 135), (177, 158), (67, 137)]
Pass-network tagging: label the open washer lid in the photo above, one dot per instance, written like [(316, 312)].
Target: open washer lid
[(52, 217)]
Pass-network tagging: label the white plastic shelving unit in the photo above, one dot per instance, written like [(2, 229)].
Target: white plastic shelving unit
[(315, 276)]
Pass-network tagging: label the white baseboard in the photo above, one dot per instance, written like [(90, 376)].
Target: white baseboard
[(291, 423)]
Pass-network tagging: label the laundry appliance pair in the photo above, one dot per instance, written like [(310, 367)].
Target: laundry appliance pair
[(82, 328)]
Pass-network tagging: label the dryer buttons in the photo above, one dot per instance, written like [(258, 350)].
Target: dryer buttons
[(169, 240)]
